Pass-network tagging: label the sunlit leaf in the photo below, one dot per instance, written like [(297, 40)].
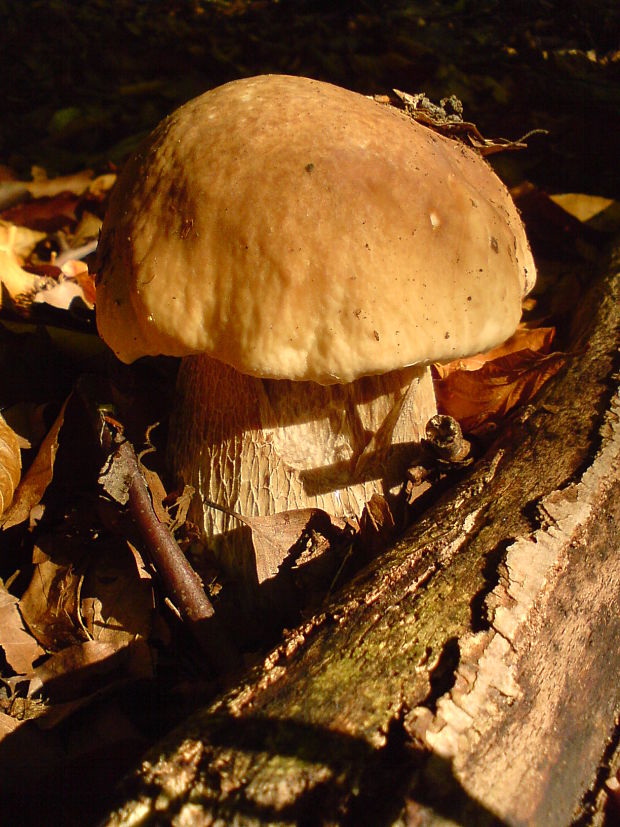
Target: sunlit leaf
[(538, 339), (10, 464), (477, 398), (34, 483)]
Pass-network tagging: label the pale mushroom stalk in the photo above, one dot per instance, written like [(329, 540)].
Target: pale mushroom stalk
[(264, 446), (310, 252)]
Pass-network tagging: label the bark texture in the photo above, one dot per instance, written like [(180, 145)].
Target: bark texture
[(470, 675)]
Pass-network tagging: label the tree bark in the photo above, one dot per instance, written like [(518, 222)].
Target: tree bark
[(470, 675)]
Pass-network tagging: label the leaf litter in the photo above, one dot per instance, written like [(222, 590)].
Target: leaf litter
[(83, 615)]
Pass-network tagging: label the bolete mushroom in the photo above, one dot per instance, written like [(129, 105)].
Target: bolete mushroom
[(309, 252)]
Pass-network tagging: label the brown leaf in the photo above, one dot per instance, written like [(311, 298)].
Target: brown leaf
[(446, 117), (10, 464), (551, 230), (47, 214), (34, 483), (537, 339), (117, 603), (477, 398), (20, 648), (158, 493), (85, 667), (275, 535), (49, 604), (8, 725), (377, 525)]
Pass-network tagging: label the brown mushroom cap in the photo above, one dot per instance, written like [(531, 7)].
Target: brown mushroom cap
[(293, 229)]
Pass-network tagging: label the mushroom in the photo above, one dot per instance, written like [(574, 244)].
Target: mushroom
[(309, 252)]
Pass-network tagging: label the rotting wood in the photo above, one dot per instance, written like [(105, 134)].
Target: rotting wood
[(469, 675)]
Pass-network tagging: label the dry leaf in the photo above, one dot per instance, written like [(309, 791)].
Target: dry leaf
[(20, 648), (582, 207), (478, 398), (377, 527), (447, 118), (83, 668), (10, 464), (19, 241), (8, 725), (78, 271), (88, 229), (117, 603), (42, 186), (537, 339), (552, 231), (15, 282), (49, 604), (34, 483), (274, 536), (45, 214), (61, 293)]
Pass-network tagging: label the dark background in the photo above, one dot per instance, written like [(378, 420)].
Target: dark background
[(84, 81)]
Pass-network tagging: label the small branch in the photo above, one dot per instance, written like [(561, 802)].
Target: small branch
[(181, 583)]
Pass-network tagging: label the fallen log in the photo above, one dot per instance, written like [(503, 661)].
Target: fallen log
[(469, 675)]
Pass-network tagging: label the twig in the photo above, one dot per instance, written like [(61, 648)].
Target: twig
[(181, 583)]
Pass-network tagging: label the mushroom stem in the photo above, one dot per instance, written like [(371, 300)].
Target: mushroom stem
[(263, 446)]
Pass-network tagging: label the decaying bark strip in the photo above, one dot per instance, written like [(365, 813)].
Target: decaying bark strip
[(469, 676)]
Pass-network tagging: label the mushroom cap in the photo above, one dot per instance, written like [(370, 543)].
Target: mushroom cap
[(294, 229)]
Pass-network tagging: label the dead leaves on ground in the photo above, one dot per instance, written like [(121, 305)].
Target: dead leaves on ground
[(46, 227)]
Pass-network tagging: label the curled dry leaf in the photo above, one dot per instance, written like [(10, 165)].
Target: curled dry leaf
[(34, 483), (274, 536), (10, 464), (477, 399), (446, 117), (538, 339)]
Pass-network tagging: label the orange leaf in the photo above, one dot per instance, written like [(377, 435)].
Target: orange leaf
[(34, 483), (477, 398), (536, 339)]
